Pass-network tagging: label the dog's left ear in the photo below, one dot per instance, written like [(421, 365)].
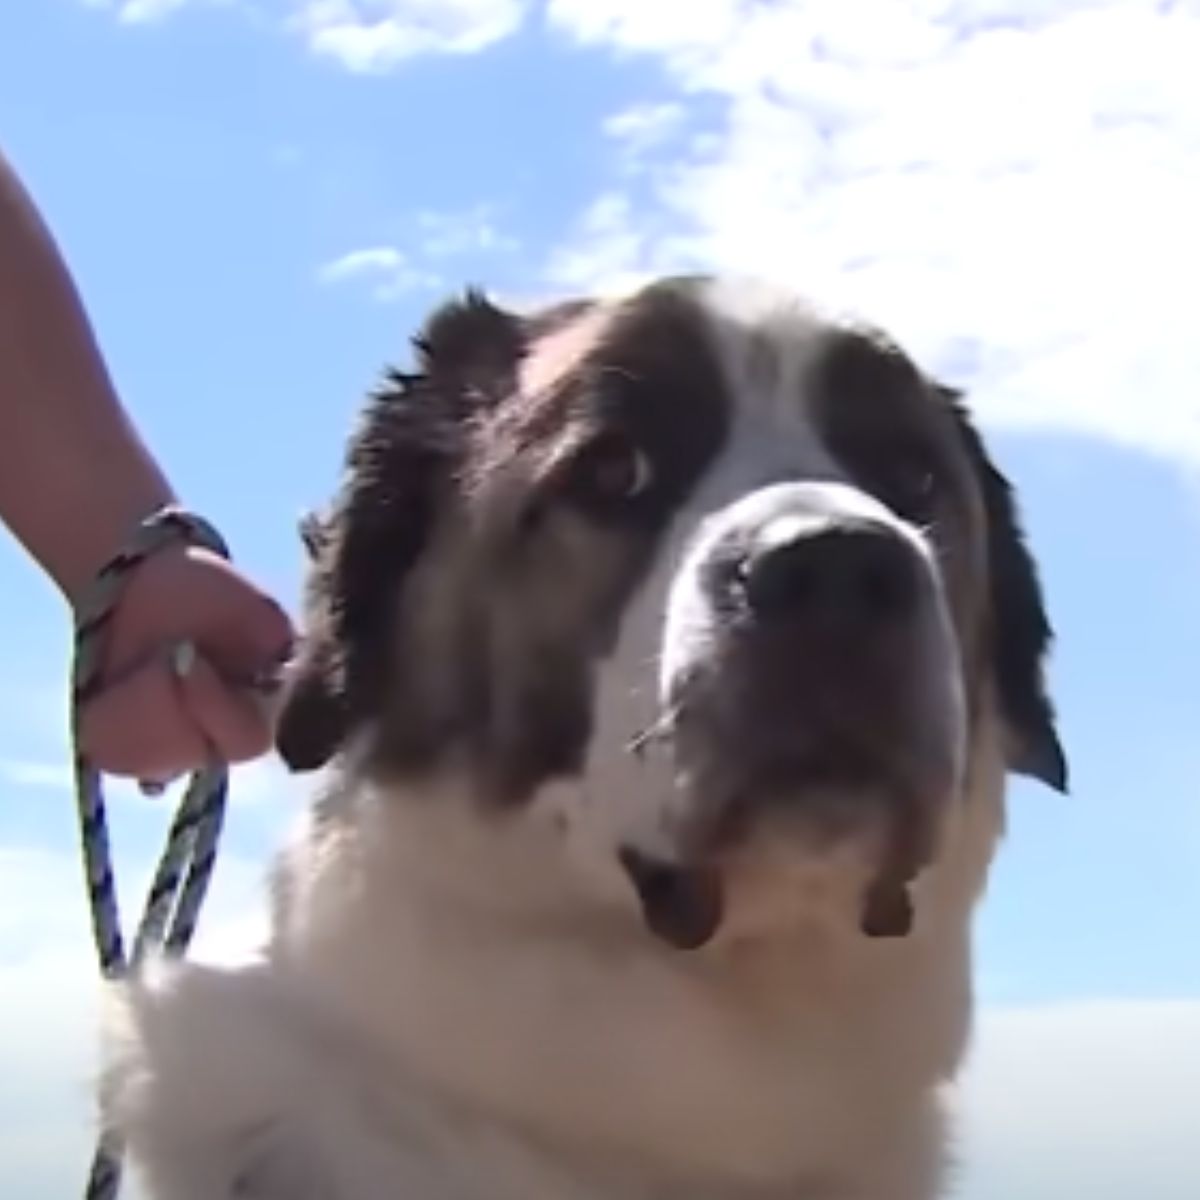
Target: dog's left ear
[(401, 464), (1021, 632)]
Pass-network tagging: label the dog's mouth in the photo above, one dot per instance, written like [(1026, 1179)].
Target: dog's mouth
[(683, 903), (824, 793)]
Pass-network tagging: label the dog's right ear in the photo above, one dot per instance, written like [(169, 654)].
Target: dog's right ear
[(402, 463), (312, 724)]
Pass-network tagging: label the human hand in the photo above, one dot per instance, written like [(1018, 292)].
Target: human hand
[(151, 721)]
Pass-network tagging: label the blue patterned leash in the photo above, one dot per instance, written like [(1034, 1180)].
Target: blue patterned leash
[(184, 871)]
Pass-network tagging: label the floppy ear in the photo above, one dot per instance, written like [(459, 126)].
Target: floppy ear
[(312, 720), (469, 349), (400, 461), (1021, 633)]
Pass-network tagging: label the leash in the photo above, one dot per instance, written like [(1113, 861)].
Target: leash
[(185, 868)]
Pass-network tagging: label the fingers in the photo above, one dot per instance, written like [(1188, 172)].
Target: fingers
[(137, 726), (154, 723), (158, 722), (233, 721), (270, 629), (245, 630)]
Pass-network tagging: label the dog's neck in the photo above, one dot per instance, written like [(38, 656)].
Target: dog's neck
[(480, 956)]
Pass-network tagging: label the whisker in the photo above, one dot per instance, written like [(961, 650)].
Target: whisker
[(659, 731)]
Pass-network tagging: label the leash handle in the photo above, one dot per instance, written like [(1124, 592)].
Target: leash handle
[(184, 871)]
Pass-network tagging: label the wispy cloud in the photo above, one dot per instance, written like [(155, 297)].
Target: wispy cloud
[(364, 36), (644, 128), (435, 238), (377, 35), (1011, 187), (609, 252), (474, 231), (136, 12), (389, 271)]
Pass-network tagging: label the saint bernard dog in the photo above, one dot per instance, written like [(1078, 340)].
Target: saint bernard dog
[(664, 658)]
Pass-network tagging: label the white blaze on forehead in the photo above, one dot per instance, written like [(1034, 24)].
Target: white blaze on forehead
[(768, 343), (556, 354), (769, 337)]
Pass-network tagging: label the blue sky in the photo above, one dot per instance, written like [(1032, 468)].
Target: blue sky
[(260, 201)]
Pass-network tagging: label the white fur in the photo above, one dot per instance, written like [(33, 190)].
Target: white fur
[(453, 1007)]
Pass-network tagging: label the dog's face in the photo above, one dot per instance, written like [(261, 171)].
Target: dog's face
[(728, 579)]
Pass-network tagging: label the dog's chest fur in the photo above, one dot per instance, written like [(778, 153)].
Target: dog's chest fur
[(401, 1044)]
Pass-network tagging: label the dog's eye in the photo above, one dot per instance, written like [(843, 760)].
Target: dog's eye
[(908, 484), (608, 472)]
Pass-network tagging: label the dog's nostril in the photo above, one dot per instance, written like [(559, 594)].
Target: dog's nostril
[(778, 580), (840, 573)]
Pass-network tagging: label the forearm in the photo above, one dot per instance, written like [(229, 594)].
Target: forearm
[(74, 474)]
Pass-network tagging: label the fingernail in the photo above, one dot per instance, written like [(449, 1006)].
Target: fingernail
[(183, 658)]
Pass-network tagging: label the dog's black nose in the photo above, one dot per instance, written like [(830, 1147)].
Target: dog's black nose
[(841, 574)]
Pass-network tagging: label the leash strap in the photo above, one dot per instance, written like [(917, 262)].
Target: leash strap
[(181, 880)]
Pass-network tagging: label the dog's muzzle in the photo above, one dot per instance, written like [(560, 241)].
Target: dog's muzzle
[(810, 681)]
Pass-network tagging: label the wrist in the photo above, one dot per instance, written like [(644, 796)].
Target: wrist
[(166, 530), (72, 504), (84, 552), (166, 534)]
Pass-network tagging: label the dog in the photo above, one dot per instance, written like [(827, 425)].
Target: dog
[(664, 660)]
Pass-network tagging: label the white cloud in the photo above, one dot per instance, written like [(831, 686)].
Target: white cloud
[(1010, 186), (1095, 1099), (367, 36), (49, 1003), (450, 234), (609, 251), (390, 271), (644, 127), (140, 12), (375, 35), (652, 25), (436, 237), (147, 10)]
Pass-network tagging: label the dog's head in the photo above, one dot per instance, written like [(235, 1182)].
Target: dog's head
[(729, 578)]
